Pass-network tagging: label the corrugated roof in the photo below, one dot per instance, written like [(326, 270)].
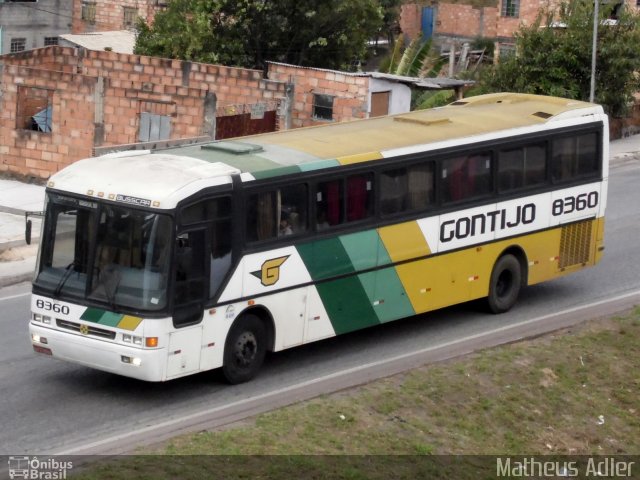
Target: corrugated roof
[(120, 41)]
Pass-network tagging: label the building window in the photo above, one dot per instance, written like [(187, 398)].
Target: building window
[(511, 8), (18, 44), (35, 109), (130, 17), (50, 41), (506, 50), (89, 12), (322, 107)]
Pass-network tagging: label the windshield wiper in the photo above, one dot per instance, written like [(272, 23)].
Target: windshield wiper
[(110, 279), (65, 276)]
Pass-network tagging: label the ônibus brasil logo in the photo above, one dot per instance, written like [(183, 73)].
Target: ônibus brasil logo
[(33, 468)]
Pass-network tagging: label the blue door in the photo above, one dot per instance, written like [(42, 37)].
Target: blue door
[(427, 23)]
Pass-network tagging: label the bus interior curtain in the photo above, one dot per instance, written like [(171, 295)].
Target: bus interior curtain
[(420, 184), (356, 197), (333, 202)]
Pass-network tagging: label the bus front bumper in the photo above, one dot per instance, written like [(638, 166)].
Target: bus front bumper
[(143, 364)]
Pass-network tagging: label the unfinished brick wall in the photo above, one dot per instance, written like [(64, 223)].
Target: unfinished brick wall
[(350, 92), (411, 20), (466, 20), (109, 14), (114, 89), (38, 154)]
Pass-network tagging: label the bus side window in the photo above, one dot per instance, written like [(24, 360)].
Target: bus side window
[(277, 213), (466, 177), (406, 189), (522, 167), (333, 207), (575, 157)]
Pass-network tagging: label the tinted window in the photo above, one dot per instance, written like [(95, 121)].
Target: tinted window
[(466, 177), (344, 200), (575, 157), (522, 167), (277, 213), (406, 189)]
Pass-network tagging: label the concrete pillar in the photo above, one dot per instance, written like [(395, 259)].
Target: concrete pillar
[(98, 112), (209, 121)]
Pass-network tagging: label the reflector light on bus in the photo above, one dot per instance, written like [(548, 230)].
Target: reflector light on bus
[(151, 342)]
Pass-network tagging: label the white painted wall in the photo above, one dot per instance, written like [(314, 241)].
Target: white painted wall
[(400, 100)]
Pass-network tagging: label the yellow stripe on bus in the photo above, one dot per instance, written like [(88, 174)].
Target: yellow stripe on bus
[(360, 157), (404, 241), (129, 323)]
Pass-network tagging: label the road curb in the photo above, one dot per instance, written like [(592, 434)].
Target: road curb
[(8, 280)]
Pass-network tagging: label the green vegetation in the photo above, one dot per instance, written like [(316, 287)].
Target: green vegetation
[(571, 392), (246, 33), (554, 57)]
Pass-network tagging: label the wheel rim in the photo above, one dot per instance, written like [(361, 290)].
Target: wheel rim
[(504, 283), (245, 349)]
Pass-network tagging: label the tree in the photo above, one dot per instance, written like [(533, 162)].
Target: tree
[(554, 57), (319, 33)]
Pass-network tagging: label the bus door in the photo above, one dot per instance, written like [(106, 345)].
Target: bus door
[(202, 262), (188, 302)]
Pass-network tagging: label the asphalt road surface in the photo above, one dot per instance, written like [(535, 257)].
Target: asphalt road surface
[(48, 406)]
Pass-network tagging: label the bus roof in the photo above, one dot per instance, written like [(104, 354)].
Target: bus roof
[(168, 174), (324, 146)]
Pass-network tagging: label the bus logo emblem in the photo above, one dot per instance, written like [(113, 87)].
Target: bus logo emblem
[(269, 274), (84, 329)]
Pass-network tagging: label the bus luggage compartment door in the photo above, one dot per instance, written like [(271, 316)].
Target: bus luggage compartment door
[(184, 351)]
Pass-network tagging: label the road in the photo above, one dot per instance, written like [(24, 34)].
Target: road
[(48, 406)]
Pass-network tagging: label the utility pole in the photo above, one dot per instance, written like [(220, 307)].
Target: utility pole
[(593, 51)]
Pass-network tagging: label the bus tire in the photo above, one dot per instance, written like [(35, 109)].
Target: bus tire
[(504, 286), (244, 349)]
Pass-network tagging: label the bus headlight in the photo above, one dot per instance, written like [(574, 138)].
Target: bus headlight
[(37, 317), (126, 338)]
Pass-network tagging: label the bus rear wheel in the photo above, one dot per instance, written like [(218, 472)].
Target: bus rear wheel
[(244, 349), (504, 286)]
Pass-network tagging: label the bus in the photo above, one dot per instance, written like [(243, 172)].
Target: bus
[(156, 264)]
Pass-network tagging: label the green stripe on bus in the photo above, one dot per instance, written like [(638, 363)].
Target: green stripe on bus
[(347, 305), (325, 258), (275, 172), (363, 249), (386, 295), (92, 315), (308, 167), (110, 319)]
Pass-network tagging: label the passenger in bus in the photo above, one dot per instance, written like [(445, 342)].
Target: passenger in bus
[(285, 226)]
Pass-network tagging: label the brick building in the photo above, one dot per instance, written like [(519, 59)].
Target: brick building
[(107, 15), (58, 104), (26, 24), (465, 20)]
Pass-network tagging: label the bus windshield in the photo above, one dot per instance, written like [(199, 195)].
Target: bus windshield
[(107, 253)]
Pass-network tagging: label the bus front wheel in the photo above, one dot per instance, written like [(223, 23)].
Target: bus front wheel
[(504, 286), (244, 349)]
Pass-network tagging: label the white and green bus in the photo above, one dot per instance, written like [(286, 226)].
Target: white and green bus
[(160, 264)]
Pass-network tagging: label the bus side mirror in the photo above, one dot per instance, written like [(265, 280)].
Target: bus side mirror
[(27, 232)]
